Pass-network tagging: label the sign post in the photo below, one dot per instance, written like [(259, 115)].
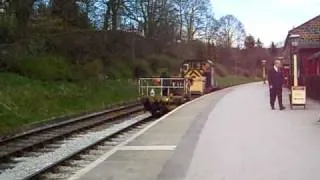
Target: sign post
[(298, 96)]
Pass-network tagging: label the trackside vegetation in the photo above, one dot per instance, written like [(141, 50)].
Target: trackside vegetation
[(24, 100)]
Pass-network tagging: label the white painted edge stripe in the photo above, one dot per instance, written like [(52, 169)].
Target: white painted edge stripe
[(88, 168), (148, 148)]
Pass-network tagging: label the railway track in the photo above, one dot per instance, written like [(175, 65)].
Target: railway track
[(16, 152), (59, 150)]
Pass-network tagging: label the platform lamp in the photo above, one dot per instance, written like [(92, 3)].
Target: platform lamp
[(298, 93), (294, 38), (264, 76)]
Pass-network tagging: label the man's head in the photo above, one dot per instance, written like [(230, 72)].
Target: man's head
[(277, 63)]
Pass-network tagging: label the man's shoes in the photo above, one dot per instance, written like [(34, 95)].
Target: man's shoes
[(282, 108), (272, 108)]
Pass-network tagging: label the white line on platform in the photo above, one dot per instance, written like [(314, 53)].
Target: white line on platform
[(88, 168), (148, 148)]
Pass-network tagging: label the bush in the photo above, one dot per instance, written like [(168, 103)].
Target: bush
[(42, 67), (24, 100), (141, 69), (233, 80), (221, 70), (119, 68), (7, 28), (160, 62), (87, 70)]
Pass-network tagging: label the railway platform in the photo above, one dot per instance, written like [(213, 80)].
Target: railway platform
[(231, 134)]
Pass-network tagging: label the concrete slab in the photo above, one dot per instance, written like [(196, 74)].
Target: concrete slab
[(144, 157), (253, 142), (170, 131), (229, 135), (133, 165)]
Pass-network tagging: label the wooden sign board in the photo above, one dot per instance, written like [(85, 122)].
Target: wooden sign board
[(298, 95)]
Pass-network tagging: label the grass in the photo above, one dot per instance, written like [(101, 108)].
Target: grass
[(234, 80), (24, 101)]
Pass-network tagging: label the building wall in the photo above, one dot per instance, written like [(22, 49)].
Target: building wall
[(306, 65)]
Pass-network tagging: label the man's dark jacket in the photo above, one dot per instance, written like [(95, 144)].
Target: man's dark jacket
[(275, 78)]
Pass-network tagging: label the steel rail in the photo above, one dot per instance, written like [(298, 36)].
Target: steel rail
[(83, 122), (36, 175)]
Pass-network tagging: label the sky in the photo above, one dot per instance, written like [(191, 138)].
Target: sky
[(270, 20)]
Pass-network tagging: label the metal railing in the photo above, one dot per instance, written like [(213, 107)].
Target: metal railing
[(161, 86)]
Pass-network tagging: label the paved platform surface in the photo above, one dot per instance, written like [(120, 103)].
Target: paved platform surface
[(228, 135)]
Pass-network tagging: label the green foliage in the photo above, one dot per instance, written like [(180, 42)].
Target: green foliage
[(233, 80), (42, 67), (221, 70), (87, 70), (119, 68), (53, 68), (141, 68), (7, 28), (47, 25), (244, 72), (24, 100), (160, 63)]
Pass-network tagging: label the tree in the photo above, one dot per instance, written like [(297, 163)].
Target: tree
[(280, 44), (180, 10), (249, 42), (196, 12), (69, 12), (230, 32), (211, 27), (154, 18), (87, 9), (112, 14), (23, 10), (273, 49), (259, 44)]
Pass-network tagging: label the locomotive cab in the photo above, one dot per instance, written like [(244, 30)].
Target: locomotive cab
[(201, 75)]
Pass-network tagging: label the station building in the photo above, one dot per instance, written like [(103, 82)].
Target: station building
[(307, 49)]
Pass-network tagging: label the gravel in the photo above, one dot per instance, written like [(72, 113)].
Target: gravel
[(30, 165)]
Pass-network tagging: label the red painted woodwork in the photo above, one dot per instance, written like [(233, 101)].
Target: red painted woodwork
[(306, 64)]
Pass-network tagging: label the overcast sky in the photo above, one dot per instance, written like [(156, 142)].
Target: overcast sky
[(270, 20)]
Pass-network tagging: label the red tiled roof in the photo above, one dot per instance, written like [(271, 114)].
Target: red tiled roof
[(309, 30)]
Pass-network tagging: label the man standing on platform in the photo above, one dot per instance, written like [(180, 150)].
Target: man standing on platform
[(276, 79)]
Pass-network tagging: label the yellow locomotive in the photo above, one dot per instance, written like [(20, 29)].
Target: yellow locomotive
[(201, 75), (161, 94)]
